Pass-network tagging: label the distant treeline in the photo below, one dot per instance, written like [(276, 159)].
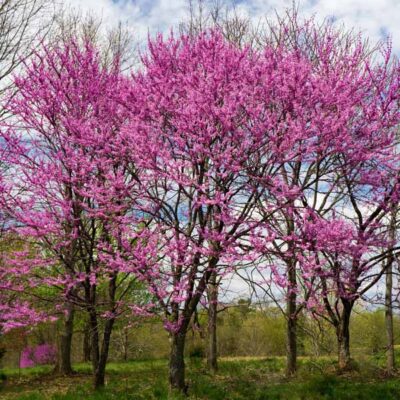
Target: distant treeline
[(244, 330)]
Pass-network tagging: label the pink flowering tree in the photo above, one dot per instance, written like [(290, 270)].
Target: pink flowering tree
[(16, 311), (350, 247), (197, 122), (349, 231), (335, 111), (68, 189)]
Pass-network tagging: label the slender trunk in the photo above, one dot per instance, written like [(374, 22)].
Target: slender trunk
[(177, 362), (94, 339), (86, 343), (212, 361), (99, 374), (390, 360), (343, 336), (390, 357), (291, 346), (64, 365), (291, 328), (126, 343)]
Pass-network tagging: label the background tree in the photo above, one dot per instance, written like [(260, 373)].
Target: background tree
[(23, 23), (67, 118)]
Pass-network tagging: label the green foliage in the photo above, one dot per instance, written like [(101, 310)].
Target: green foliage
[(246, 331), (197, 352), (366, 331), (243, 330), (3, 378)]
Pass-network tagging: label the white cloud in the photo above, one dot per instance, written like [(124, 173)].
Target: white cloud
[(375, 18), (143, 16)]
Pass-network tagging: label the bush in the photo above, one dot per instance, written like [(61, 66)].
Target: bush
[(40, 355)]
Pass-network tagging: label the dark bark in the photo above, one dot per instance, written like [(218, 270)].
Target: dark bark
[(390, 358), (99, 373), (177, 361), (64, 365), (343, 335), (100, 355), (86, 343), (291, 328), (291, 345), (94, 339), (212, 360)]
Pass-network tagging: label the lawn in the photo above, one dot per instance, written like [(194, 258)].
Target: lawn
[(238, 378)]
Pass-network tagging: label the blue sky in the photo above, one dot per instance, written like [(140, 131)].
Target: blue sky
[(376, 18)]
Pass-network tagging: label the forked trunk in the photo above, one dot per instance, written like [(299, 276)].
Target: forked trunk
[(100, 355), (176, 358)]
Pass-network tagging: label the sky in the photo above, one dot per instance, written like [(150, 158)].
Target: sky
[(375, 18)]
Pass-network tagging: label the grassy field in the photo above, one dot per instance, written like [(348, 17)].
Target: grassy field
[(238, 378)]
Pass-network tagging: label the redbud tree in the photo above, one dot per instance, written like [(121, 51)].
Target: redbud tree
[(345, 143), (68, 188), (198, 118), (209, 158), (16, 311)]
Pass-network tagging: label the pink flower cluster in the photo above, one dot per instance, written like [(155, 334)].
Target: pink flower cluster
[(208, 159), (41, 354)]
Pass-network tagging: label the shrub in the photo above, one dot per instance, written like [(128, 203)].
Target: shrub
[(39, 355)]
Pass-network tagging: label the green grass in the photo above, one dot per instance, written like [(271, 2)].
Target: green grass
[(238, 378)]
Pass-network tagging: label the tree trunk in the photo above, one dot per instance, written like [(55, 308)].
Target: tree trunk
[(177, 362), (99, 373), (64, 365), (212, 361), (86, 343), (291, 347), (126, 344), (94, 339), (390, 360), (343, 336), (291, 328), (390, 357)]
